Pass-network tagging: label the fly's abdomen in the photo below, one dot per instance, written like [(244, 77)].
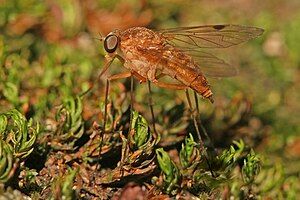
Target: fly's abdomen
[(191, 76), (200, 85)]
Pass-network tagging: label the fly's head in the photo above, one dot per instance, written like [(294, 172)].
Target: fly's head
[(112, 42)]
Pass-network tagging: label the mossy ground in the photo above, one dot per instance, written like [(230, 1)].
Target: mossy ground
[(49, 58)]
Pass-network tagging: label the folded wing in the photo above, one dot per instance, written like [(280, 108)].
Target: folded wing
[(210, 36)]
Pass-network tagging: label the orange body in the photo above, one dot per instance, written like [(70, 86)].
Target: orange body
[(148, 54), (176, 53)]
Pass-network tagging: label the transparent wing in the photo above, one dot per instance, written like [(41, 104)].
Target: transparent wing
[(210, 36), (211, 65)]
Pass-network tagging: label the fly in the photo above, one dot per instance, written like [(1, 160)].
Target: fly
[(150, 55), (177, 52)]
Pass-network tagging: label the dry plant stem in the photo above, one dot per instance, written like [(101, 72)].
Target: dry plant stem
[(194, 119), (151, 109)]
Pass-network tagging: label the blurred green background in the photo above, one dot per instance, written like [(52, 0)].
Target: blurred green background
[(48, 51)]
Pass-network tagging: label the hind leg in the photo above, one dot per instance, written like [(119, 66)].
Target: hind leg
[(173, 86)]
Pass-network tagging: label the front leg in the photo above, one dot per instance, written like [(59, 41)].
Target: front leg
[(107, 62), (140, 77), (153, 75), (143, 79), (119, 76)]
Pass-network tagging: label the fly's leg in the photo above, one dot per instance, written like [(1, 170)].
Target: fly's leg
[(119, 76), (200, 123), (126, 75), (130, 74), (160, 76), (211, 153), (163, 85), (172, 86), (140, 77), (112, 78), (151, 75), (104, 118), (184, 87), (125, 141), (151, 109), (108, 61), (143, 79), (131, 100), (122, 76), (194, 119)]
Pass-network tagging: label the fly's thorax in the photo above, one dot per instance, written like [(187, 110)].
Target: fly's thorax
[(139, 33), (139, 37), (136, 63), (139, 48)]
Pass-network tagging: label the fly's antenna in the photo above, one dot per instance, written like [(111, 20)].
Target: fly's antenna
[(101, 38)]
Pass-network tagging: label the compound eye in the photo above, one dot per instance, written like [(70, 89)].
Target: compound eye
[(111, 43)]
